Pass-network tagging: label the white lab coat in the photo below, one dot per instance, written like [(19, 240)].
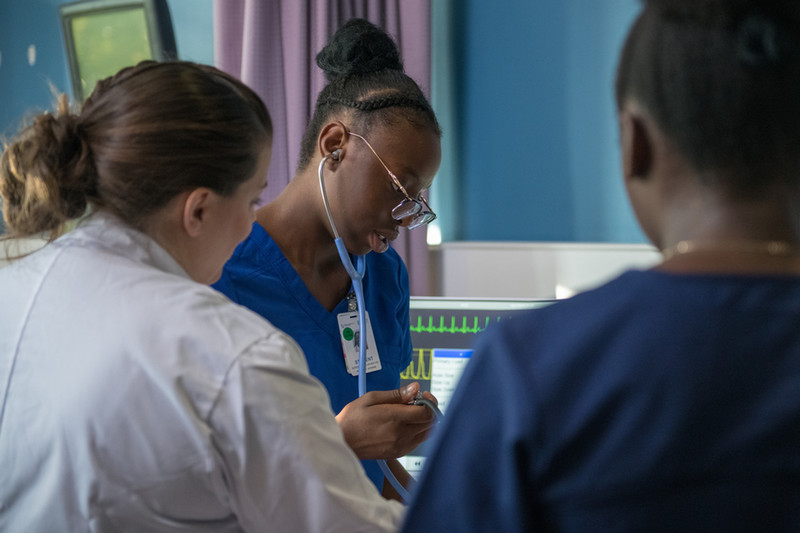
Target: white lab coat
[(134, 399)]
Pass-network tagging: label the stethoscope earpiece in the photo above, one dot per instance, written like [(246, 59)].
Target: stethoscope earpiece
[(335, 154)]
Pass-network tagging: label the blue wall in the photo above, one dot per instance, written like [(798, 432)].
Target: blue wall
[(601, 211), (25, 88), (22, 86), (537, 136), (514, 139), (532, 135)]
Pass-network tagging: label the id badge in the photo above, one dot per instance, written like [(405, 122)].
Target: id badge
[(351, 338)]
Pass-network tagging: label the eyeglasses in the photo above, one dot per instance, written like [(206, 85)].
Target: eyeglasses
[(416, 208)]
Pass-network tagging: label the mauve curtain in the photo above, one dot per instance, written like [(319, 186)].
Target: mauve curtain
[(271, 46)]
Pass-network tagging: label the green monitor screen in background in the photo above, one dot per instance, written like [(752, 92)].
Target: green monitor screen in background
[(106, 42), (103, 36)]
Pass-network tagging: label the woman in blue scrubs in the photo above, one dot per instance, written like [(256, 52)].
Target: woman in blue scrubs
[(382, 144)]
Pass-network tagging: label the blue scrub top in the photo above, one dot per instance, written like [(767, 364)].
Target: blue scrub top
[(260, 277), (657, 402)]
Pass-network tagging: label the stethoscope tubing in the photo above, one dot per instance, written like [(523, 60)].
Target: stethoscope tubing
[(356, 273)]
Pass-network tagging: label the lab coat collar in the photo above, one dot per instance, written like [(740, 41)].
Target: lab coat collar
[(111, 233)]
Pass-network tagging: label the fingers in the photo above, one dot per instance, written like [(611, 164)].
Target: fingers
[(409, 392), (384, 430), (428, 396), (402, 395), (386, 424), (417, 415), (398, 414)]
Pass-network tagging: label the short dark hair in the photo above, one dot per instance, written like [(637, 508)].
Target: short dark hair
[(365, 75), (721, 78), (144, 135)]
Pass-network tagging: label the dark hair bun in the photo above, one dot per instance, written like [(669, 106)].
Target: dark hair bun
[(358, 47)]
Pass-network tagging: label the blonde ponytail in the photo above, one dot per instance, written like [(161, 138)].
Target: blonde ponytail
[(46, 175)]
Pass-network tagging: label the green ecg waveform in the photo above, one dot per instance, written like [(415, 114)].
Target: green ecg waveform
[(420, 370), (464, 327)]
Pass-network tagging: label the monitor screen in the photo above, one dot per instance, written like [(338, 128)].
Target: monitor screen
[(443, 332), (103, 36)]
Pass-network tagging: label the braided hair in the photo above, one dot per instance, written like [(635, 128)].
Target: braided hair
[(365, 77), (720, 78)]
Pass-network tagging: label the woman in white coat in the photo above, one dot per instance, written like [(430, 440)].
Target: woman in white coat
[(134, 397)]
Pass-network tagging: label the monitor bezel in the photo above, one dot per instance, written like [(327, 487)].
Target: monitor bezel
[(479, 303), (160, 32)]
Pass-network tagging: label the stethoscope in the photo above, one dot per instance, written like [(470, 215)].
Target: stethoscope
[(356, 273)]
